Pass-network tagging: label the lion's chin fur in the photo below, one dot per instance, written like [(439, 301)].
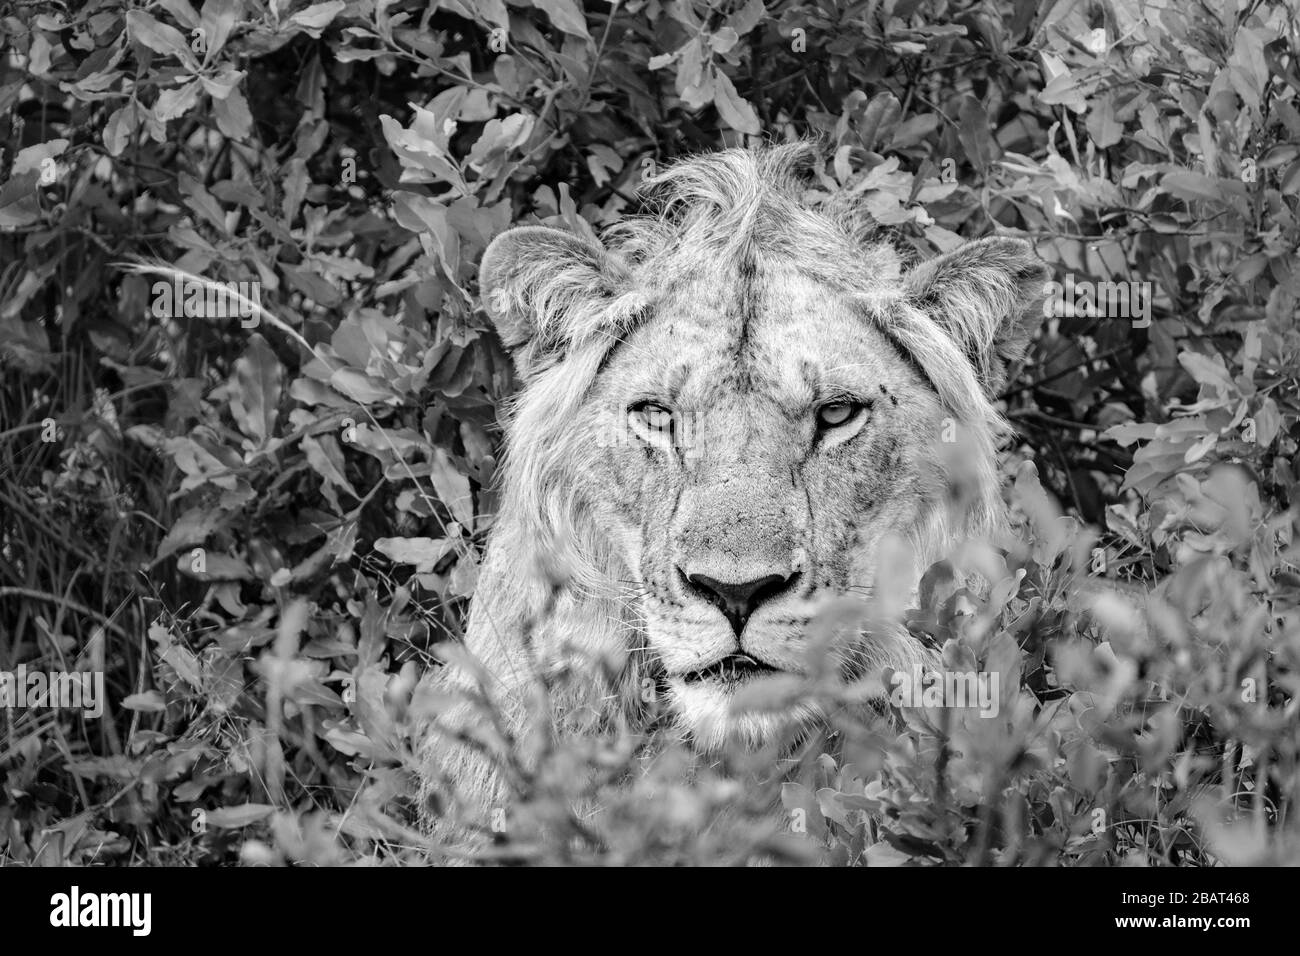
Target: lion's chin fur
[(707, 716)]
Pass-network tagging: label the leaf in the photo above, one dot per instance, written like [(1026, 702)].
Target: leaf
[(420, 214), (217, 567), (352, 345), (974, 133), (31, 158), (1268, 422), (1189, 185), (99, 82), (191, 528), (182, 11), (219, 18), (734, 110), (1061, 87), (1207, 371), (565, 14), (802, 810), (1246, 68), (149, 702), (159, 37), (424, 553), (9, 93), (118, 129), (420, 155), (198, 462), (221, 85), (694, 84), (238, 194), (326, 458), (601, 160), (1130, 432), (360, 387), (295, 187), (837, 806), (499, 136), (1124, 526), (879, 120), (747, 17), (232, 115), (464, 577), (452, 488), (317, 17), (255, 399), (882, 854), (182, 660), (493, 11), (312, 284), (1201, 448), (233, 818), (176, 102), (200, 200), (1104, 129), (723, 40), (18, 205), (38, 55)]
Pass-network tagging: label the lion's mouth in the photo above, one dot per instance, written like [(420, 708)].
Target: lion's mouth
[(732, 669)]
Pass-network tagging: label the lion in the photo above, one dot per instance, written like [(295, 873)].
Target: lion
[(730, 412)]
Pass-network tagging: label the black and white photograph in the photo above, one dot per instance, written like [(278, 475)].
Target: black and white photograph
[(650, 433)]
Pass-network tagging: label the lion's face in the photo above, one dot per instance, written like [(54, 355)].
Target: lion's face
[(740, 407), (757, 445)]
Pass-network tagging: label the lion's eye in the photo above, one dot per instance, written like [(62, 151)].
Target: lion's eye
[(835, 414), (651, 420)]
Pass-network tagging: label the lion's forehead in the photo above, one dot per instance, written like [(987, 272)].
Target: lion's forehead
[(769, 334)]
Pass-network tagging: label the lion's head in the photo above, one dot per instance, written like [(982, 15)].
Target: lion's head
[(734, 409)]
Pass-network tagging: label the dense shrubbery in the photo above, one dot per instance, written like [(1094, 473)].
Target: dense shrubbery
[(258, 523)]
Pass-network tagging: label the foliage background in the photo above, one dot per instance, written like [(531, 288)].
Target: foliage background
[(356, 157)]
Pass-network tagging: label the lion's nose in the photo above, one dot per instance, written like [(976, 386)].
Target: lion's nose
[(740, 599)]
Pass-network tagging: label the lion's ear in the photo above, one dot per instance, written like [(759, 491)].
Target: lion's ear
[(545, 289), (988, 296)]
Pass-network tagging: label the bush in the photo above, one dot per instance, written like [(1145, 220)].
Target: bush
[(256, 512)]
